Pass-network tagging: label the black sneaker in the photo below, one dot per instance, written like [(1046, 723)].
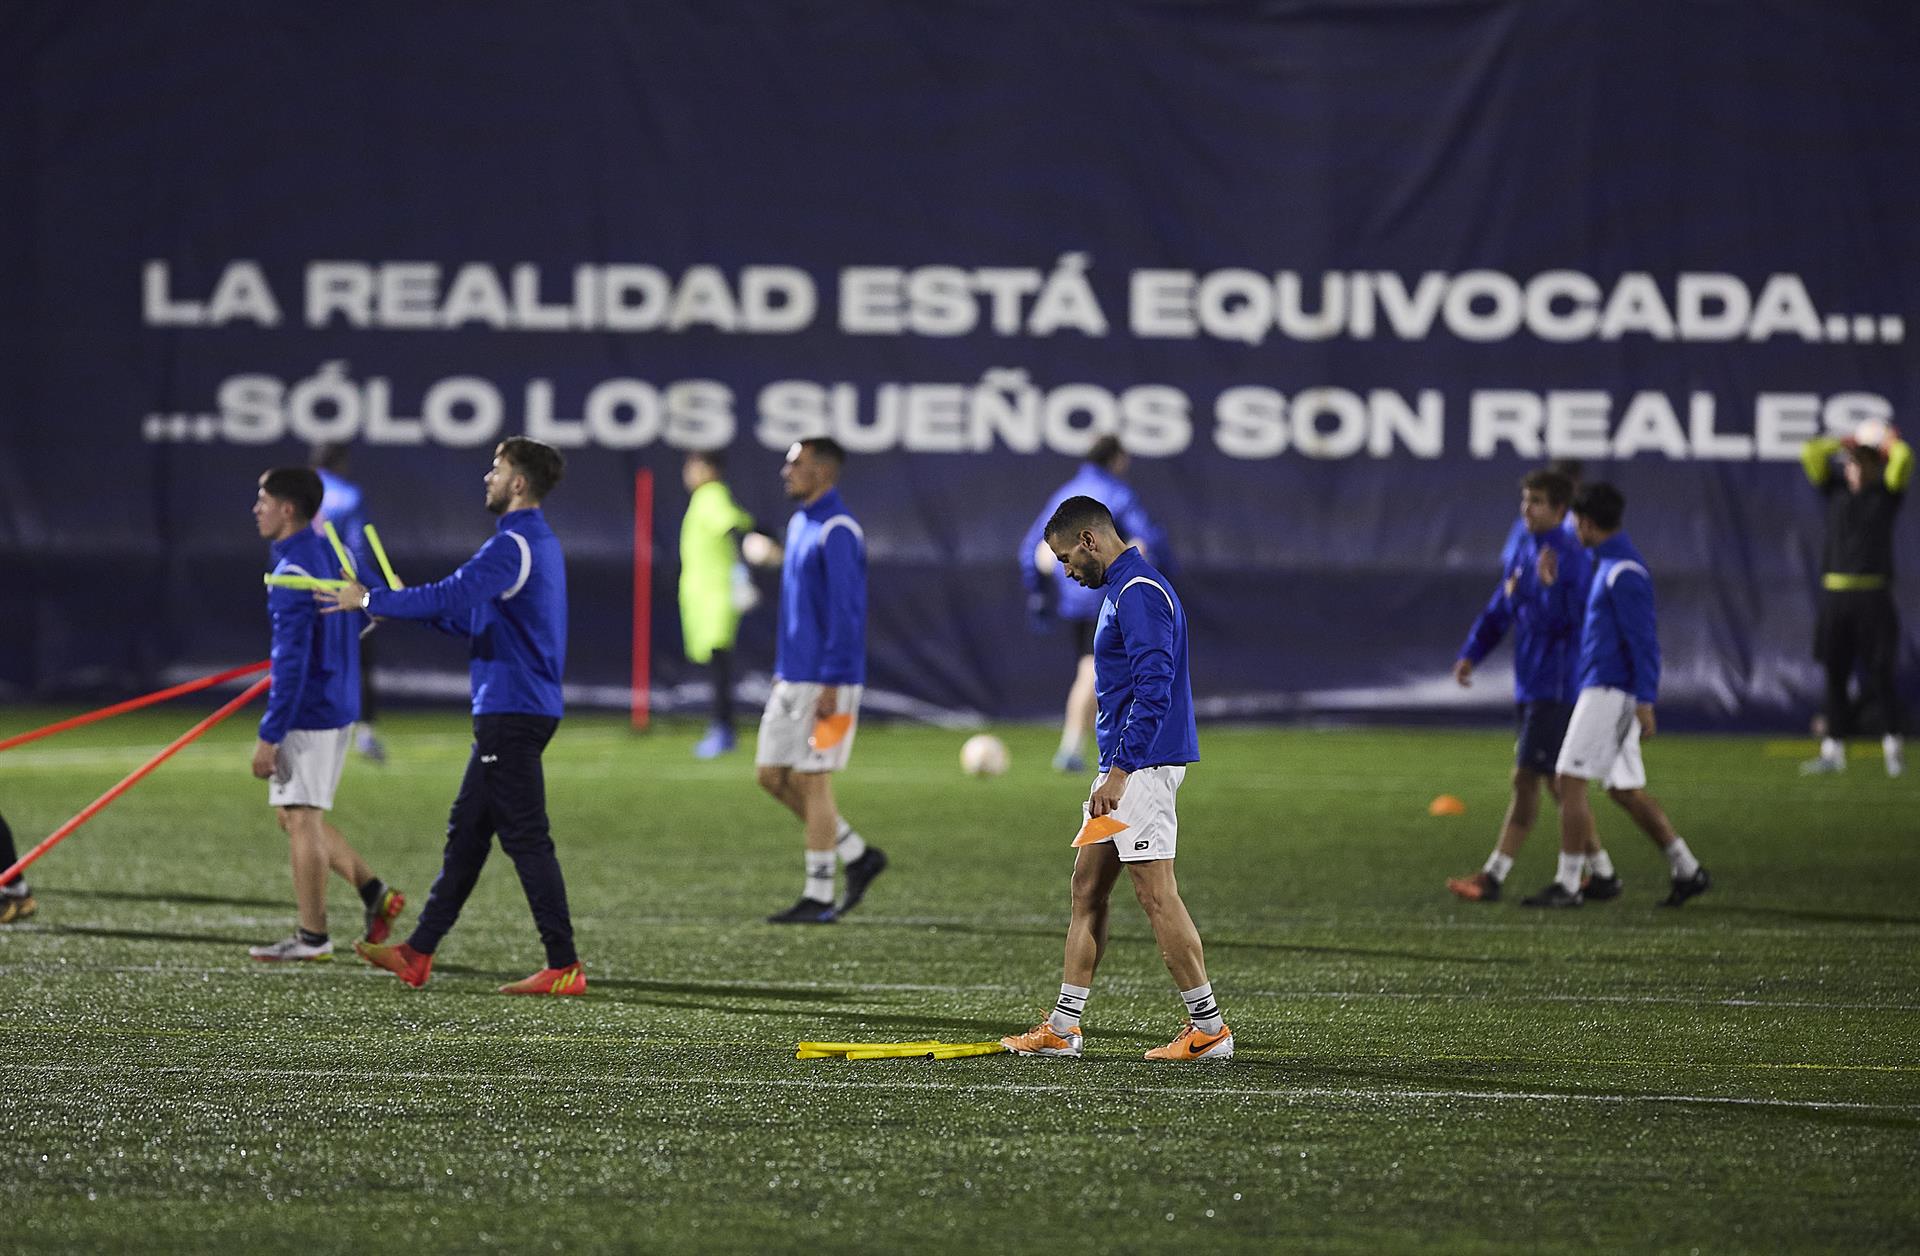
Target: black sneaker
[(860, 874), (1600, 889), (1555, 895), (1685, 888), (808, 911)]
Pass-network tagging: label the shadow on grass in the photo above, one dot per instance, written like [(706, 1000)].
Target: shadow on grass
[(162, 896), (1211, 942), (1808, 914), (149, 935)]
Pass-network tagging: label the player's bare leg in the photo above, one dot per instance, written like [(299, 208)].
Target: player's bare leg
[(1082, 708), (1206, 1036), (1688, 877), (307, 849), (383, 903), (1095, 869), (343, 858)]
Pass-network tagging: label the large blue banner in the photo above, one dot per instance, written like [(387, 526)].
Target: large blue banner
[(1335, 272)]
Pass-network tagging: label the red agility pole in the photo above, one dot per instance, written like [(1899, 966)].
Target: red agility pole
[(642, 596), (132, 778), (134, 704)]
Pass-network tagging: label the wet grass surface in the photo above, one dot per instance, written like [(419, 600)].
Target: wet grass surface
[(1413, 1072)]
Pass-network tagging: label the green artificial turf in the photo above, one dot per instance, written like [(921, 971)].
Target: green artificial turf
[(1414, 1073)]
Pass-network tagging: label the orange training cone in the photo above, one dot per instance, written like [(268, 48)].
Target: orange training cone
[(1446, 805)]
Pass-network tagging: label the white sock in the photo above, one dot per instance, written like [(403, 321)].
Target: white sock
[(1498, 866), (848, 845), (1891, 744), (1202, 1010), (819, 876), (1067, 1012), (16, 890), (1681, 860), (1569, 872), (1832, 750), (1601, 864)]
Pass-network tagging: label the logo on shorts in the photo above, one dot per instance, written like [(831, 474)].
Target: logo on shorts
[(1141, 845), (489, 758)]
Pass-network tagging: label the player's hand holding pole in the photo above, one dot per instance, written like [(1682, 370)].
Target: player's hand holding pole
[(351, 596), (1106, 792)]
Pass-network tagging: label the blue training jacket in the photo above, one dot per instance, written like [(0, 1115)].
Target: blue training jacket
[(1140, 676), (1075, 601), (1545, 619), (510, 601), (823, 596), (345, 507), (316, 658), (1620, 643)]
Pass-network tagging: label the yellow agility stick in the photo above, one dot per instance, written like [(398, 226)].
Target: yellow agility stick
[(939, 1051), (931, 1049), (380, 556), (304, 582), (339, 548), (841, 1048)]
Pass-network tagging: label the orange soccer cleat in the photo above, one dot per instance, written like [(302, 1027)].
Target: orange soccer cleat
[(1194, 1045), (569, 980), (381, 915), (1042, 1040), (401, 960)]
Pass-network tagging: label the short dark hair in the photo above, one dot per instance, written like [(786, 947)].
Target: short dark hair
[(1557, 487), (299, 485), (1106, 451), (1572, 468), (825, 447), (1600, 504), (539, 462), (1868, 458), (1076, 515), (715, 458), (328, 456)]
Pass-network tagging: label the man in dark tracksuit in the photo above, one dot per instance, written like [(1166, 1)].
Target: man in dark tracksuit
[(1858, 627), (510, 601)]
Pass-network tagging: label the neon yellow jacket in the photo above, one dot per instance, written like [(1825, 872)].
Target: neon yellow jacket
[(708, 620)]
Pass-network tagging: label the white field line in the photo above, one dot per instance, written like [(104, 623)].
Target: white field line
[(1380, 1094), (730, 989)]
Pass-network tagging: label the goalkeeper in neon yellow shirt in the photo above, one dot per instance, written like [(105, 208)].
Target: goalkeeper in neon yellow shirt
[(712, 596)]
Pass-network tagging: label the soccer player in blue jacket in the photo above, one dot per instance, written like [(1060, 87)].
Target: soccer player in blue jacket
[(1541, 598), (1049, 592), (820, 670), (1619, 683), (311, 706), (1146, 734), (509, 601)]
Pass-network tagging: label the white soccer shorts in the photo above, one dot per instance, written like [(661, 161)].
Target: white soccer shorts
[(1603, 740), (1146, 808), (787, 728), (308, 771)]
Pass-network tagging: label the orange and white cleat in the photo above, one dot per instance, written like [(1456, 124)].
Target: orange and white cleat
[(1194, 1045), (569, 980), (1042, 1040), (401, 960)]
